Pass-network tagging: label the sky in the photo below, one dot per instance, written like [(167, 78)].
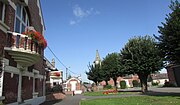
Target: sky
[(75, 29)]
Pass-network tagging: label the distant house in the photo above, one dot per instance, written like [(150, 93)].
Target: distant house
[(73, 85), (128, 79), (87, 87), (53, 75), (159, 78)]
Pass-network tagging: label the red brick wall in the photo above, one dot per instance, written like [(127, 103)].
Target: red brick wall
[(2, 42), (10, 17), (11, 60), (10, 88), (27, 88), (35, 18), (111, 82), (39, 86)]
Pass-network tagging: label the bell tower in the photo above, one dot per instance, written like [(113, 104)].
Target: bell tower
[(97, 59)]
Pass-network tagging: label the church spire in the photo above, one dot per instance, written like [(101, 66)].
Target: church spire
[(97, 59)]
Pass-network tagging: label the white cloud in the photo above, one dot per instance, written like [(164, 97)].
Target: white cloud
[(80, 13), (72, 22)]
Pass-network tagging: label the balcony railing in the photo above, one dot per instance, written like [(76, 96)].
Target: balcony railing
[(23, 43), (23, 49)]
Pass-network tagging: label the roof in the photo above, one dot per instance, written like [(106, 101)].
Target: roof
[(159, 76), (72, 79), (87, 85)]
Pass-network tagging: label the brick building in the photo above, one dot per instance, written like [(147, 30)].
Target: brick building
[(22, 44), (128, 79), (73, 85), (54, 77)]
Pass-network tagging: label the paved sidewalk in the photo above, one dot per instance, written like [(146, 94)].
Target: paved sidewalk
[(69, 100)]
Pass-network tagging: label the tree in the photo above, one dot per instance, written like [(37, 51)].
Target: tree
[(95, 73), (69, 77), (169, 39), (141, 56), (111, 66)]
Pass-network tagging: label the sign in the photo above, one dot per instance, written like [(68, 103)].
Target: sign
[(56, 74)]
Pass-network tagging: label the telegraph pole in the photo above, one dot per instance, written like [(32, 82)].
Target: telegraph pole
[(66, 73)]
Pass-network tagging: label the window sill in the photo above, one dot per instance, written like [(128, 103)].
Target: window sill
[(4, 27)]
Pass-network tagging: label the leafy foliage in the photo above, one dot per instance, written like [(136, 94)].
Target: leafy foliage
[(108, 87), (95, 73), (169, 39), (141, 56), (135, 83), (111, 67), (123, 84)]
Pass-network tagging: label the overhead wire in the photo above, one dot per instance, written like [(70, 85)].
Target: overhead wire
[(60, 61)]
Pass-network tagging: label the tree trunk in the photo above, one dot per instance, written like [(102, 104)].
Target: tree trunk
[(106, 82), (115, 79), (143, 80)]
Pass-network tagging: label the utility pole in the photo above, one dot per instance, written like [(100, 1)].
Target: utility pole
[(66, 73)]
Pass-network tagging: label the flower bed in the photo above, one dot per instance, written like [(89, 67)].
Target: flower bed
[(110, 92)]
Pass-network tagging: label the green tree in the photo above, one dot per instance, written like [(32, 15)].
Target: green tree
[(69, 76), (141, 56), (111, 66), (105, 73), (169, 39), (95, 73)]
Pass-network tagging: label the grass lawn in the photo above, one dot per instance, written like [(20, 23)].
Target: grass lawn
[(101, 93), (138, 100)]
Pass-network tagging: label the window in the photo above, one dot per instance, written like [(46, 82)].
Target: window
[(2, 11), (22, 20), (17, 41)]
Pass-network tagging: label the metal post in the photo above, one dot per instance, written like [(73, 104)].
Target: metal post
[(66, 73)]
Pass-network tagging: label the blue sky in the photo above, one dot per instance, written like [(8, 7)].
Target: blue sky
[(75, 29)]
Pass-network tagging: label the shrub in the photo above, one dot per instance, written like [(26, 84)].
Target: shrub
[(167, 84), (135, 83), (57, 88), (108, 87), (155, 83), (123, 84)]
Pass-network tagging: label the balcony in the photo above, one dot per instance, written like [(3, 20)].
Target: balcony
[(23, 49)]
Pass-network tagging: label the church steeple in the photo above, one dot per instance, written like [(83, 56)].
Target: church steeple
[(97, 59)]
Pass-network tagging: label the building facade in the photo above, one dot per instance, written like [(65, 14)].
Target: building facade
[(54, 77), (22, 44), (73, 85)]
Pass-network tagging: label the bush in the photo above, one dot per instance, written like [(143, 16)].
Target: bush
[(135, 83), (155, 83), (167, 84), (108, 87), (57, 88), (123, 84)]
